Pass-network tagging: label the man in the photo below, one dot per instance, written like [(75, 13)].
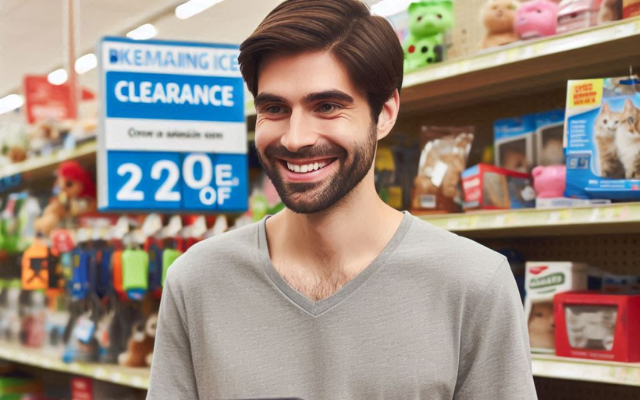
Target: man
[(338, 296)]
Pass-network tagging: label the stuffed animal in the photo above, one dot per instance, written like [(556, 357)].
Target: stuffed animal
[(140, 348), (498, 17), (536, 18), (77, 195), (610, 10), (425, 42)]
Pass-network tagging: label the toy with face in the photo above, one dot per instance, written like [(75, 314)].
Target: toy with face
[(536, 18), (498, 17), (428, 20), (542, 325)]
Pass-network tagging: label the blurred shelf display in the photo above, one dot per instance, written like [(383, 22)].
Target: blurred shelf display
[(616, 218), (41, 166), (501, 72), (133, 377), (550, 366)]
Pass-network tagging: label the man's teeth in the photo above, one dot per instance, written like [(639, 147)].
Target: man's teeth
[(303, 169)]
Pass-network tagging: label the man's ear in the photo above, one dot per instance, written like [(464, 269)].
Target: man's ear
[(388, 115)]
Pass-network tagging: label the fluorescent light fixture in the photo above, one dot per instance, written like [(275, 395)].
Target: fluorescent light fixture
[(146, 31), (57, 77), (86, 63), (193, 7), (387, 8), (10, 103)]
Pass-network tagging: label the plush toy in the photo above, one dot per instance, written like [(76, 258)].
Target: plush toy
[(536, 18), (498, 17), (550, 182), (140, 348), (425, 43), (77, 195)]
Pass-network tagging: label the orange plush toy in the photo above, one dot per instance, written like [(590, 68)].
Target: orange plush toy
[(77, 195)]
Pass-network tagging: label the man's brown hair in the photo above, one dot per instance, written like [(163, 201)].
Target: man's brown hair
[(365, 45)]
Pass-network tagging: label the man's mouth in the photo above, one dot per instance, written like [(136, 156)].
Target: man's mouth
[(305, 167)]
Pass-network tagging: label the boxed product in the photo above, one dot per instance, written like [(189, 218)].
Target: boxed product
[(491, 188), (543, 280), (514, 140), (598, 326), (630, 8), (602, 139), (548, 138), (443, 158), (577, 14)]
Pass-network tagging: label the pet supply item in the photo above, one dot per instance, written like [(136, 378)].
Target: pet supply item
[(428, 22), (514, 142), (577, 14), (597, 326), (549, 182), (135, 273), (536, 18), (443, 158), (35, 266), (140, 347), (543, 281), (385, 178), (168, 257), (620, 284), (491, 188), (630, 8), (498, 17), (603, 139), (548, 137)]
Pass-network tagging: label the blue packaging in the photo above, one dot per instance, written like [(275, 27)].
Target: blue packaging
[(549, 137), (602, 139), (514, 143)]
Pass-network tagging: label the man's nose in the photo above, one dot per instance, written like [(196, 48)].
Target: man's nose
[(299, 133)]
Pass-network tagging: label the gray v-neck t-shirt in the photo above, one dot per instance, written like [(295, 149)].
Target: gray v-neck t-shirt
[(434, 316)]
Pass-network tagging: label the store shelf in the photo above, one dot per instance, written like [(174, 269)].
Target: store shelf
[(37, 167), (132, 377), (550, 366), (617, 218), (524, 67)]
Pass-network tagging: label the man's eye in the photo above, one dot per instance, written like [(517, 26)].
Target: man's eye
[(328, 108), (274, 110)]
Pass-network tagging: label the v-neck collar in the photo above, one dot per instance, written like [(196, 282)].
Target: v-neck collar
[(315, 308)]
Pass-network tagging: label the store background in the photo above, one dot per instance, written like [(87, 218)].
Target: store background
[(472, 87)]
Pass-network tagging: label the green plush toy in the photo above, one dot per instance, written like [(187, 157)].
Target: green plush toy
[(428, 22)]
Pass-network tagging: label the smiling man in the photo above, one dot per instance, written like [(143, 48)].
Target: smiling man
[(338, 296)]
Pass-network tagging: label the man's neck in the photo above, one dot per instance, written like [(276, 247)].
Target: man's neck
[(343, 240)]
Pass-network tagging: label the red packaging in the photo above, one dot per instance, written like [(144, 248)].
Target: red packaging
[(81, 388), (597, 326), (487, 187)]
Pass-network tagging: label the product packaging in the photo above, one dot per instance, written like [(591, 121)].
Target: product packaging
[(598, 326), (491, 188), (602, 139), (630, 8), (543, 281), (514, 141), (577, 14), (443, 158), (548, 137)]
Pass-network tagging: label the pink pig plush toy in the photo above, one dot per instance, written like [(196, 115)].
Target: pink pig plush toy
[(536, 18), (550, 182)]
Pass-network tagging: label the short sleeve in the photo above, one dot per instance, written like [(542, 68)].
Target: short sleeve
[(495, 360)]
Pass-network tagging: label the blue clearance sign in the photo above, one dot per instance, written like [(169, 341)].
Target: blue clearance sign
[(174, 135)]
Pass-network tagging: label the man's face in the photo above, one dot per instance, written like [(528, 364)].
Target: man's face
[(314, 133)]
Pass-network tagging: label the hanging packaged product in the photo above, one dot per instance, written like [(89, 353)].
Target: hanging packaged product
[(135, 273), (437, 186), (602, 139), (35, 266), (168, 257), (542, 281)]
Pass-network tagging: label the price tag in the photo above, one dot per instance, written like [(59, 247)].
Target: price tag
[(174, 128)]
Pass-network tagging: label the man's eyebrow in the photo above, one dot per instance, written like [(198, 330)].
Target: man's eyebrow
[(268, 98), (329, 95)]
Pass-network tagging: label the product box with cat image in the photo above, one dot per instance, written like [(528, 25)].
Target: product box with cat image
[(543, 280), (602, 139), (598, 326), (491, 188), (548, 138), (514, 143)]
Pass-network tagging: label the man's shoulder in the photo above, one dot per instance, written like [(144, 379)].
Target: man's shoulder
[(224, 252), (438, 255)]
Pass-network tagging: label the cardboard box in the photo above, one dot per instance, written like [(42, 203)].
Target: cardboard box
[(491, 188), (543, 280), (598, 326), (548, 138), (514, 142)]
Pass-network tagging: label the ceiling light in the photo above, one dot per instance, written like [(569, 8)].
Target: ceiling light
[(193, 7), (146, 31), (10, 103), (86, 63), (387, 8), (57, 77)]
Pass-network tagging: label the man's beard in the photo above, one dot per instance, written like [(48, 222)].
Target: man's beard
[(315, 197)]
